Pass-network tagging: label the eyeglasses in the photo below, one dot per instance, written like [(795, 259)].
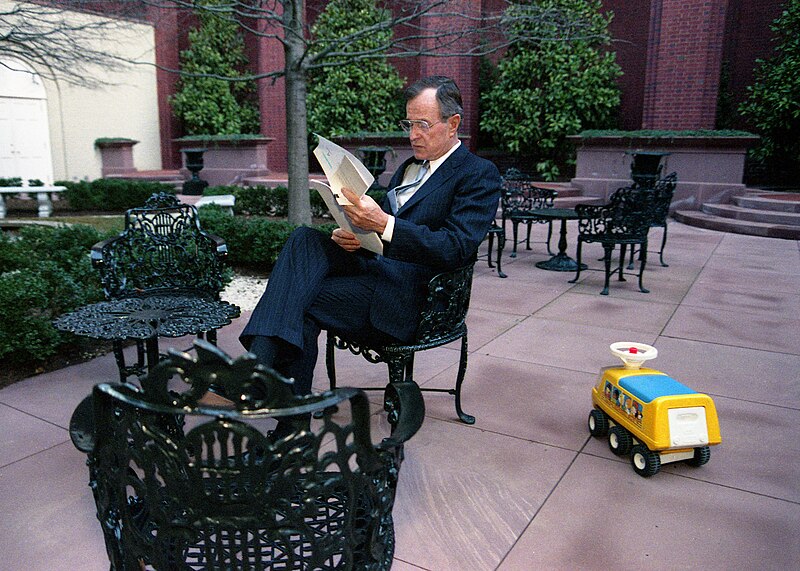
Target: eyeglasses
[(408, 124)]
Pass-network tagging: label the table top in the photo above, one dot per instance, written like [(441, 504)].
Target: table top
[(148, 316), (556, 213)]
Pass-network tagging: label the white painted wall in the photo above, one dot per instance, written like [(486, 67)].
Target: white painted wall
[(127, 106)]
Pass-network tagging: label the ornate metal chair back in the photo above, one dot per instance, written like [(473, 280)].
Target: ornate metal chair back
[(162, 248), (182, 483)]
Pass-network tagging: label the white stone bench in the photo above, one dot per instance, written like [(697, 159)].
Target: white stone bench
[(226, 201), (42, 197)]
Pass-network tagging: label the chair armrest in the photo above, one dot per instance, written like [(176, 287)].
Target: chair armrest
[(81, 426), (222, 247), (406, 398), (97, 251)]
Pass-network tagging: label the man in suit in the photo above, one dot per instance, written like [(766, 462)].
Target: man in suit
[(439, 208)]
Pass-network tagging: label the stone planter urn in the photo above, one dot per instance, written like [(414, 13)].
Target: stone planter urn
[(710, 168), (116, 156), (228, 160)]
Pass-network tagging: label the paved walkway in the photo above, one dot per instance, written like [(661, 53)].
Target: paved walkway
[(526, 487)]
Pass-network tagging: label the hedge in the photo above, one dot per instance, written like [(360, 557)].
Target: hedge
[(44, 272)]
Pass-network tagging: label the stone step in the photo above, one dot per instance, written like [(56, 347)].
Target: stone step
[(764, 200), (701, 219), (752, 214)]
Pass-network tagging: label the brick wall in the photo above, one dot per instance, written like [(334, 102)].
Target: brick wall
[(684, 59)]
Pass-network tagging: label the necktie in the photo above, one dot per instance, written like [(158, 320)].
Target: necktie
[(392, 194)]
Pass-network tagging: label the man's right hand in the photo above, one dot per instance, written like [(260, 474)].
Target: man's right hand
[(346, 240)]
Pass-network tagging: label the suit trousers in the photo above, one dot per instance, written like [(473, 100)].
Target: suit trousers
[(314, 286)]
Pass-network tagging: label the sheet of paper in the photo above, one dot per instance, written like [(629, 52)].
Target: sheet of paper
[(342, 168), (369, 240)]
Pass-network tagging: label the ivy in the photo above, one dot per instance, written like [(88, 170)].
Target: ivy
[(362, 96), (544, 91), (210, 106)]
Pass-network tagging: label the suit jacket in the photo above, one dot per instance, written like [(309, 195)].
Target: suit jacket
[(439, 228)]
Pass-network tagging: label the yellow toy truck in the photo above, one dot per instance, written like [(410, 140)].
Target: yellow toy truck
[(649, 415)]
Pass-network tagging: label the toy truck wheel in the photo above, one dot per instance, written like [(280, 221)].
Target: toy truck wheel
[(598, 423), (619, 440), (701, 456), (645, 462)]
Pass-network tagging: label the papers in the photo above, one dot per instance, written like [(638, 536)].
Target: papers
[(344, 170)]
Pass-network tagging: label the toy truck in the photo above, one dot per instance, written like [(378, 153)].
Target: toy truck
[(650, 415)]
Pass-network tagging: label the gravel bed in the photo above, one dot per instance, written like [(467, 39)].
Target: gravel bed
[(244, 291)]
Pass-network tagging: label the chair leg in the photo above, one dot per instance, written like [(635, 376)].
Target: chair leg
[(622, 250), (462, 370), (501, 243), (120, 358), (609, 250), (549, 235), (578, 252), (642, 264), (633, 252), (528, 237), (663, 243), (515, 231), (489, 249), (330, 361)]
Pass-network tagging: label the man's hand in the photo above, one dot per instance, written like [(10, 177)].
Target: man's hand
[(365, 212), (346, 240)]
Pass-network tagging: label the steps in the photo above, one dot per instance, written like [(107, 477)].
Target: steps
[(568, 195), (756, 213)]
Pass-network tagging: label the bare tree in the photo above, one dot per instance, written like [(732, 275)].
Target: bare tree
[(62, 44), (434, 28)]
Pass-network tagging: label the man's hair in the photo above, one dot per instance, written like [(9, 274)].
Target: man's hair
[(447, 94)]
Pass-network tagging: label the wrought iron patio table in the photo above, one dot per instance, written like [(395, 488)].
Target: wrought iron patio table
[(560, 262), (148, 318)]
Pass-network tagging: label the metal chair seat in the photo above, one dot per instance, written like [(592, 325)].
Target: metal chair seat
[(442, 321)]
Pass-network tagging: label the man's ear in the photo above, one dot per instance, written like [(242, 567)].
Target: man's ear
[(453, 123)]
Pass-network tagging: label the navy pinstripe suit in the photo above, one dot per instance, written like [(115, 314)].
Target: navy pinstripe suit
[(317, 285)]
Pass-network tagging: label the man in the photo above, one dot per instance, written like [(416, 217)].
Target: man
[(434, 218)]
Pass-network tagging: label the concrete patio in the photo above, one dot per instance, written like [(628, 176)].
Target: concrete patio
[(526, 487)]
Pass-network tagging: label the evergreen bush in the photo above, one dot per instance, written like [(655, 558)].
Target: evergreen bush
[(356, 96), (773, 104), (109, 194), (547, 89), (44, 272), (210, 106)]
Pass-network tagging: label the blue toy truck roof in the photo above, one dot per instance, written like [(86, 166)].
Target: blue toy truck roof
[(647, 387)]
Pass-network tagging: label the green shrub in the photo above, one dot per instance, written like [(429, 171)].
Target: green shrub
[(109, 194), (44, 272), (546, 89), (253, 242), (266, 201)]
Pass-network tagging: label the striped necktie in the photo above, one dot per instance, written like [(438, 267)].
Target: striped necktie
[(392, 194)]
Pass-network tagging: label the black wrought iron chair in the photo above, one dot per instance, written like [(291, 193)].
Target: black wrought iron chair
[(663, 190), (183, 483), (624, 221), (162, 250), (520, 198), (442, 321)]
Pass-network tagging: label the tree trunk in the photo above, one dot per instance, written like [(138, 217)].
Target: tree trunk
[(296, 118)]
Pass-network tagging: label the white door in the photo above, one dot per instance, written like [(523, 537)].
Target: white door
[(24, 129)]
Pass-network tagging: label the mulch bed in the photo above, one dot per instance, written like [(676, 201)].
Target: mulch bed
[(87, 350)]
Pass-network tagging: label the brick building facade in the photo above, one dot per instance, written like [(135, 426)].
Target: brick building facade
[(672, 53)]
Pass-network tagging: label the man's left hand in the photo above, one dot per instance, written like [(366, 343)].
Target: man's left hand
[(364, 212)]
